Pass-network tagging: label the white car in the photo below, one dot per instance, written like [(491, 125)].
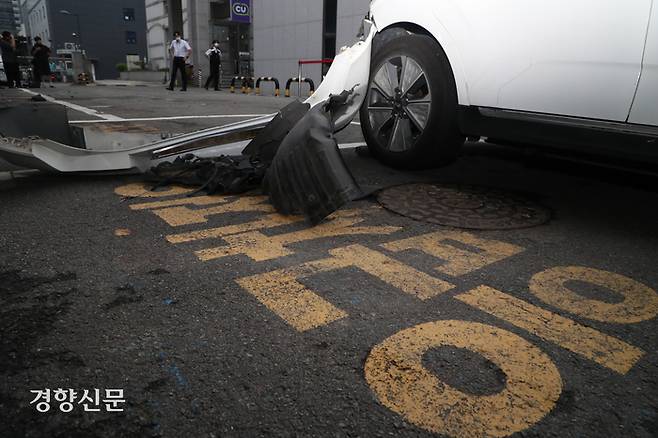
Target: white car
[(580, 74), (426, 74)]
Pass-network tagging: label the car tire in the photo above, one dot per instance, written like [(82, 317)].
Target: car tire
[(409, 117)]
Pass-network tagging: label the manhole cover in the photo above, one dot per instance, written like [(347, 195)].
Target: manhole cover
[(464, 206)]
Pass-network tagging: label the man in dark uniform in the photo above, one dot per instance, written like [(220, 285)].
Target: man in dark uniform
[(40, 55), (215, 56), (10, 59)]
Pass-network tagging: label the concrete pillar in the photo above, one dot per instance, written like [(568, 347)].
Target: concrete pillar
[(199, 24)]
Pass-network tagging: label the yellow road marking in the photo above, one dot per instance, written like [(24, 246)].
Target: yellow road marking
[(281, 292), (640, 301), (458, 261), (270, 221), (395, 373), (267, 222), (393, 272), (194, 200), (292, 301), (179, 216), (143, 190), (603, 349), (260, 247)]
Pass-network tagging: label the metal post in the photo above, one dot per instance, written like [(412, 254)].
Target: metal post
[(199, 75), (299, 84)]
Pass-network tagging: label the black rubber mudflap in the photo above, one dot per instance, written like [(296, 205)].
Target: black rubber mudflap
[(308, 175), (266, 144)]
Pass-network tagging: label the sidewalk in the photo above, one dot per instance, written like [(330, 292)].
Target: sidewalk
[(122, 83)]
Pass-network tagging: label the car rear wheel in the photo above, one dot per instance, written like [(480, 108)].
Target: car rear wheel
[(409, 117)]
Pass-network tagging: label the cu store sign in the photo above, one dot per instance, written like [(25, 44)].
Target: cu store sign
[(241, 11)]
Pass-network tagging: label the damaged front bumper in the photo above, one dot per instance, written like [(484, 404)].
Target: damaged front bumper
[(49, 155), (292, 155), (350, 71)]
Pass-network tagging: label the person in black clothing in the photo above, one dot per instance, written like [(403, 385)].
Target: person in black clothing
[(215, 56), (40, 55), (10, 59), (180, 51)]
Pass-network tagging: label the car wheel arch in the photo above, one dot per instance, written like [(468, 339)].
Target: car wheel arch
[(452, 55), (394, 137)]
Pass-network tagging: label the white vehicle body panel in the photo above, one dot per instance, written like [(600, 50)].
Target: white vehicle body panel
[(569, 57), (44, 154), (349, 71), (645, 107)]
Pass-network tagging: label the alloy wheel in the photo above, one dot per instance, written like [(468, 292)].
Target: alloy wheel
[(399, 102)]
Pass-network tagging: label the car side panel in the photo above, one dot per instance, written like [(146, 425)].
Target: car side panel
[(578, 58), (388, 13), (645, 107)]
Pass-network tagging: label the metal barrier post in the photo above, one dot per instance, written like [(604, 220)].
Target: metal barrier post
[(261, 79), (300, 78), (309, 81), (233, 83)]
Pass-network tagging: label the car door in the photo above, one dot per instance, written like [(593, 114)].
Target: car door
[(569, 57), (645, 106)]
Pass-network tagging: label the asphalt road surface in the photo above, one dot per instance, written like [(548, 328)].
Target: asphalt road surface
[(214, 316)]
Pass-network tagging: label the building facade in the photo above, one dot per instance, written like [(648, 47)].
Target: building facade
[(200, 22), (34, 14), (110, 33), (286, 31), (257, 37), (10, 16)]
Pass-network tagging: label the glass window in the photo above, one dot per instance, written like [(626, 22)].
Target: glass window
[(220, 10), (131, 37), (128, 14)]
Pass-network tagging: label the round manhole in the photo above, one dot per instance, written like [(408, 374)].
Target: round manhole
[(464, 206)]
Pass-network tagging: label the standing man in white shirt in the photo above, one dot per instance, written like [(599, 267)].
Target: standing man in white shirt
[(180, 51)]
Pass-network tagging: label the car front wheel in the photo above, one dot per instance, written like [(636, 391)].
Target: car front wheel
[(409, 117)]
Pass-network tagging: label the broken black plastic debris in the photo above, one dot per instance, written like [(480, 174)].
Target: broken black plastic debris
[(295, 158), (224, 175), (308, 175), (232, 175), (266, 144)]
